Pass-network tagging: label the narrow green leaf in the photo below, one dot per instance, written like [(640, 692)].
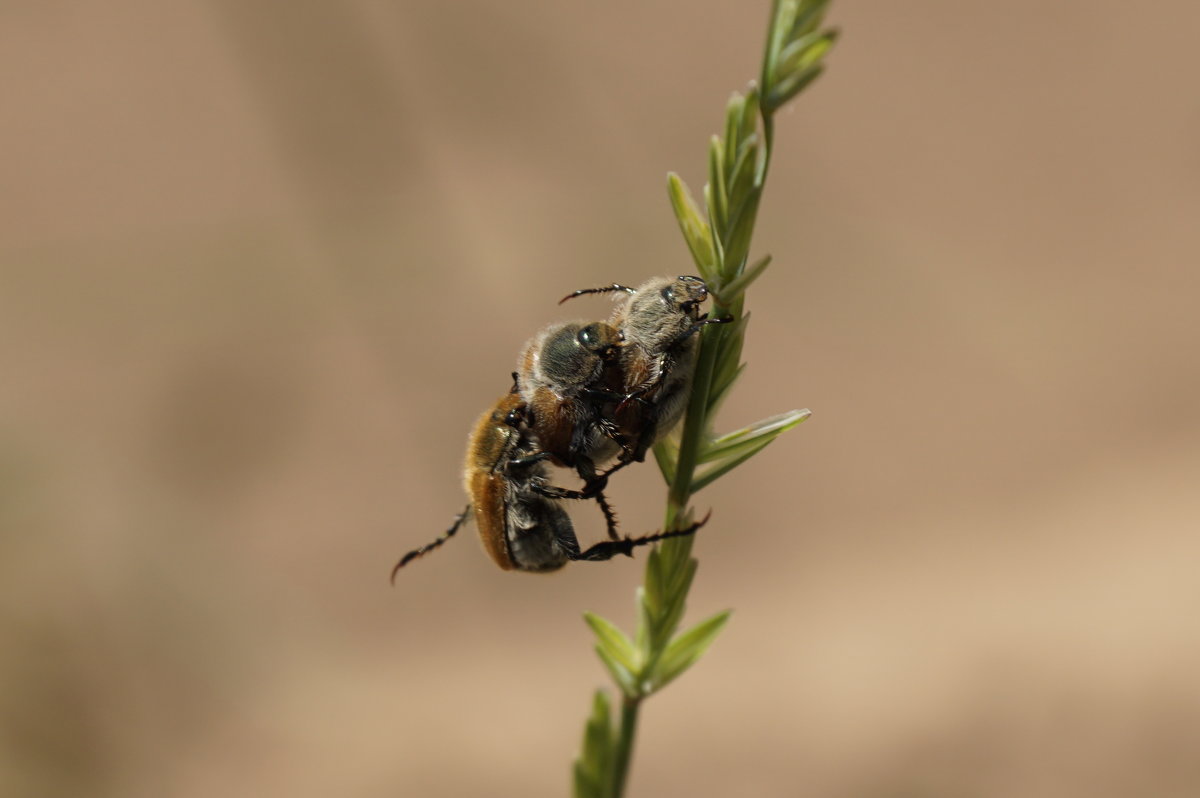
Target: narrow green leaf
[(674, 558), (734, 454), (741, 228), (680, 581), (721, 387), (734, 110), (646, 641), (783, 17), (596, 744), (666, 454), (808, 17), (613, 640), (687, 648), (641, 637), (738, 441), (791, 85), (706, 476), (817, 52), (674, 605), (695, 230), (716, 338), (718, 206), (718, 249), (749, 121), (738, 164), (626, 679), (729, 353), (742, 178), (586, 785), (594, 764), (804, 52), (736, 287), (655, 587)]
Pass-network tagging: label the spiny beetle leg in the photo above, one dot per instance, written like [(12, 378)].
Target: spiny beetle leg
[(415, 553)]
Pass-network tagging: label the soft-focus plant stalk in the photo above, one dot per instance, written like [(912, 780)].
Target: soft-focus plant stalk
[(719, 240)]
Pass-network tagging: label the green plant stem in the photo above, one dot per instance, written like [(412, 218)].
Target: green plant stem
[(623, 752), (695, 425), (675, 550), (720, 246)]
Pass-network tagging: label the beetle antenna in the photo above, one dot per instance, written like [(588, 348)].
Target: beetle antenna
[(605, 290)]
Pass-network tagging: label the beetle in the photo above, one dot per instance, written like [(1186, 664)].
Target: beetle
[(563, 374), (521, 521), (657, 323)]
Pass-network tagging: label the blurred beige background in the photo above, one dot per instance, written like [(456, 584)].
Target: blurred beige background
[(261, 265)]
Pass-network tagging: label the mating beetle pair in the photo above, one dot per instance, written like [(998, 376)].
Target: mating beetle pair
[(583, 393)]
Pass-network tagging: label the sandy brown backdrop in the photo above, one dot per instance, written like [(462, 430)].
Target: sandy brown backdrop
[(262, 264)]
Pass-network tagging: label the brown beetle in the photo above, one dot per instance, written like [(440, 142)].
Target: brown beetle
[(521, 521)]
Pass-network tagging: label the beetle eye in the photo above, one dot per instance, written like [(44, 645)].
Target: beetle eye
[(588, 338), (668, 294)]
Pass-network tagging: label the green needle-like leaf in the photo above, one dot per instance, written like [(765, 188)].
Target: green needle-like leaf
[(722, 383), (723, 457), (687, 648), (676, 557), (733, 127), (710, 474), (738, 441), (808, 17), (642, 636), (726, 341), (741, 228), (586, 784), (717, 243), (791, 85), (613, 641), (666, 454), (742, 172), (675, 604), (717, 198), (805, 51), (593, 768), (783, 18), (736, 287), (653, 597), (626, 679), (696, 231), (749, 121)]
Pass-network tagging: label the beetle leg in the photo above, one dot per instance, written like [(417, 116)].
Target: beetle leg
[(524, 461), (608, 549), (610, 516), (695, 328), (428, 547)]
